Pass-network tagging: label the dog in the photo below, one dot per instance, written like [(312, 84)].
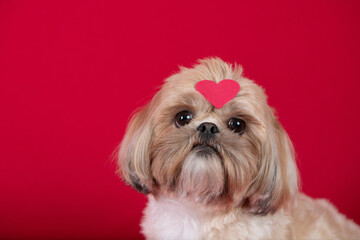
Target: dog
[(216, 163)]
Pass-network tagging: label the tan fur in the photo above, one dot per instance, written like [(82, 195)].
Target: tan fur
[(249, 182)]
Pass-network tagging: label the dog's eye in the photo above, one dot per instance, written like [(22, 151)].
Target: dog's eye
[(237, 125), (183, 118)]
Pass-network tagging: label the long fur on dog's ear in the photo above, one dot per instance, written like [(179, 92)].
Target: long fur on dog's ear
[(277, 178), (134, 153)]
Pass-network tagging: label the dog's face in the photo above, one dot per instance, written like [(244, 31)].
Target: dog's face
[(235, 156)]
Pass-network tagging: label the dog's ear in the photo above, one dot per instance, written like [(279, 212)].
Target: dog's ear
[(134, 153), (277, 178)]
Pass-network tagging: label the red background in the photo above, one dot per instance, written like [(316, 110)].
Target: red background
[(71, 73)]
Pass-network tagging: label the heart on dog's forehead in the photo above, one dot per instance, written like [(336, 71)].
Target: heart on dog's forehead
[(218, 94)]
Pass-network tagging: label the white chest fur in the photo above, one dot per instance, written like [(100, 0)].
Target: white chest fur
[(166, 218)]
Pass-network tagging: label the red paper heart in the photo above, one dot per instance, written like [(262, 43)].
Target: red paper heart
[(218, 94)]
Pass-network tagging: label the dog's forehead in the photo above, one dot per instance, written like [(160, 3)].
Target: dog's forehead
[(185, 89), (180, 98)]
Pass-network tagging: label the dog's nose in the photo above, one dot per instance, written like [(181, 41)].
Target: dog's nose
[(208, 128)]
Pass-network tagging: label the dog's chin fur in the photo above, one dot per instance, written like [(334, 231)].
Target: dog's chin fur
[(202, 176), (223, 186)]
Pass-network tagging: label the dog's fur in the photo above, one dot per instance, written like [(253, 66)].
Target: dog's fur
[(231, 187)]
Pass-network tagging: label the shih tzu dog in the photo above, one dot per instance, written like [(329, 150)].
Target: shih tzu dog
[(216, 164)]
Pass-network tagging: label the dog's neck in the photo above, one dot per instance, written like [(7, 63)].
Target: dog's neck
[(173, 218)]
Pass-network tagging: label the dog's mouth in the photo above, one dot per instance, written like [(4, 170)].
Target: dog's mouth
[(204, 148)]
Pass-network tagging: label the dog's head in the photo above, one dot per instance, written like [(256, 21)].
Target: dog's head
[(236, 156)]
